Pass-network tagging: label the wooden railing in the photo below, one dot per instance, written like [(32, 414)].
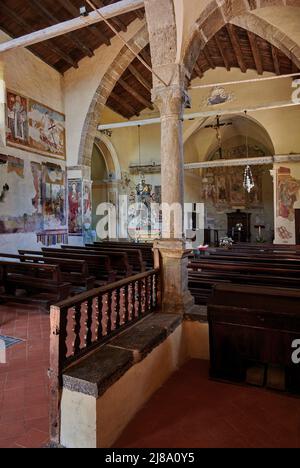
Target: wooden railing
[(81, 324)]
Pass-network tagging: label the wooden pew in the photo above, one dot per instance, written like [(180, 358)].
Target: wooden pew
[(119, 260), (245, 267), (146, 249), (75, 272), (201, 284), (100, 266), (253, 326), (43, 283), (135, 256)]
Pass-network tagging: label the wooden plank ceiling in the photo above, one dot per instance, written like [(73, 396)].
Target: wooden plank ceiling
[(232, 47), (20, 17)]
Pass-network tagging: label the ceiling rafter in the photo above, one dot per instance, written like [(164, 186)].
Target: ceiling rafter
[(255, 52), (40, 5), (145, 102), (95, 30), (236, 46), (50, 45), (117, 22), (222, 52)]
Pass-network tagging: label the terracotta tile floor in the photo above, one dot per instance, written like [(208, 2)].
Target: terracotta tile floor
[(192, 411), (188, 411), (23, 379)]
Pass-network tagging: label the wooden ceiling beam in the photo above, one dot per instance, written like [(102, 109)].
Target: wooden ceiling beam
[(198, 70), (208, 58), (68, 6), (72, 36), (275, 60), (135, 94), (255, 52), (222, 52), (108, 12), (236, 46), (50, 46), (123, 104), (140, 77), (117, 22)]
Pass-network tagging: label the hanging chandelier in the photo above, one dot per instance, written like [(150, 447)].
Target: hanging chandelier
[(248, 179), (142, 188), (248, 176)]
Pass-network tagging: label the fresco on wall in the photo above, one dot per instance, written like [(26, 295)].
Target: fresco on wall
[(75, 206), (54, 202), (35, 127), (17, 119), (20, 194), (218, 95), (288, 192), (46, 130), (87, 201)]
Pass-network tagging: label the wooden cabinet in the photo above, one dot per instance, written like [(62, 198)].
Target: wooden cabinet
[(239, 217)]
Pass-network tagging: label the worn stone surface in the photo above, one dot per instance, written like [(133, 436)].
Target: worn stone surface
[(93, 375), (176, 297), (97, 372), (146, 335), (197, 313)]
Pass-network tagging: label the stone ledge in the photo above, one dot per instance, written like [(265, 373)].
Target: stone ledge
[(97, 372), (198, 313), (147, 335)]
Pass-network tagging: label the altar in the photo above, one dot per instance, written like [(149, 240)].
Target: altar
[(239, 226)]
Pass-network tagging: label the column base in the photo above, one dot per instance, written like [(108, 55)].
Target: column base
[(176, 297)]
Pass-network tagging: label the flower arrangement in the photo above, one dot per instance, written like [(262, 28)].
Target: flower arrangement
[(226, 242)]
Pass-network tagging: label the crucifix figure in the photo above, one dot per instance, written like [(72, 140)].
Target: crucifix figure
[(217, 126)]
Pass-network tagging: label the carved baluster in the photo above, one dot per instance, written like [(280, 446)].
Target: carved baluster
[(117, 309), (109, 312), (99, 317), (77, 329), (149, 294), (140, 298), (63, 335), (126, 303), (89, 323)]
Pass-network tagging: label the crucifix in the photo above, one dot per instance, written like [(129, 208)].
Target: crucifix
[(217, 126)]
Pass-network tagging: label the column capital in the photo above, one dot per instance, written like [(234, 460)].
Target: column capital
[(171, 100)]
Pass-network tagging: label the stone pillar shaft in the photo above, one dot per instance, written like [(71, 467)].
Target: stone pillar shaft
[(176, 297)]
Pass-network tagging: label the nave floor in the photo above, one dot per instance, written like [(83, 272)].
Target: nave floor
[(192, 411), (23, 380), (188, 411)]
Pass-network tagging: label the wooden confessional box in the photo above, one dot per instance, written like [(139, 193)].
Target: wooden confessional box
[(239, 217)]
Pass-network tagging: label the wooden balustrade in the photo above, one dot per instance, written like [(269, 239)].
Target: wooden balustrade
[(83, 323)]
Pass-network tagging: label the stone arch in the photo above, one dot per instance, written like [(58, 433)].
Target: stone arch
[(219, 13), (110, 156), (108, 82)]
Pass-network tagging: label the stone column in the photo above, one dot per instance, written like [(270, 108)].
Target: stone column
[(2, 103), (176, 297)]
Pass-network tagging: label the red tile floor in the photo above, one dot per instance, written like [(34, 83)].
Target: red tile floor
[(192, 411), (23, 380), (188, 411)]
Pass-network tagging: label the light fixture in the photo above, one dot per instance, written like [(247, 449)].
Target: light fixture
[(83, 11), (248, 177), (143, 189)]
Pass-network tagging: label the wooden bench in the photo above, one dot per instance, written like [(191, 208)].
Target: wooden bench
[(99, 265), (43, 284), (75, 272), (146, 249), (119, 260), (251, 327), (135, 256)]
